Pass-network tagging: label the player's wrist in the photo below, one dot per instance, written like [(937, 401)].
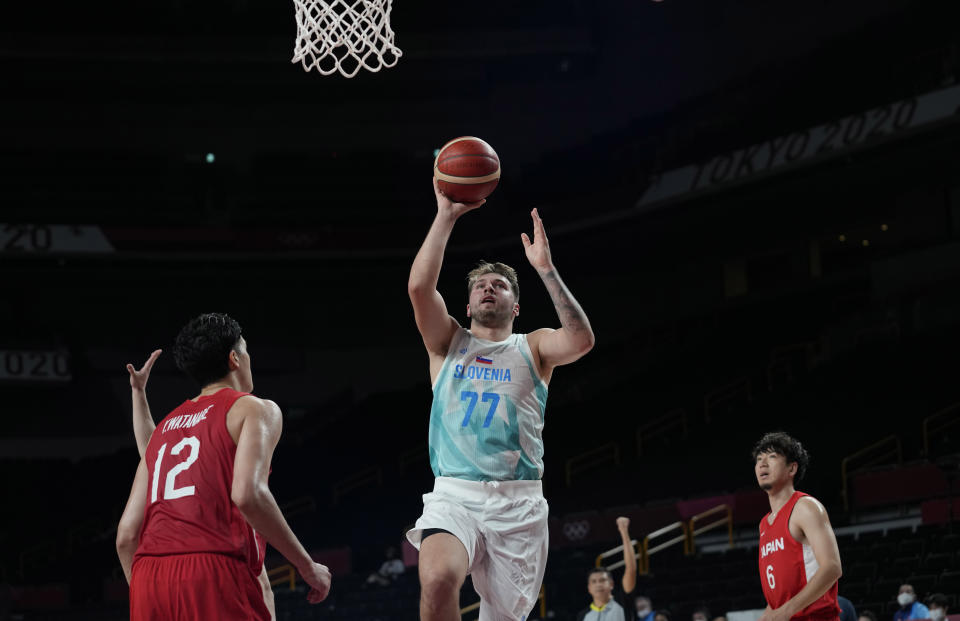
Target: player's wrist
[(305, 566), (447, 216), (789, 609)]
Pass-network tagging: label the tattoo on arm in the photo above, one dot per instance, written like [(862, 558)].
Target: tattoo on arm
[(571, 315)]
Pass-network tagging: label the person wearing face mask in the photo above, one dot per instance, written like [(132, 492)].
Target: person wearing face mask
[(937, 604), (910, 608), (644, 608)]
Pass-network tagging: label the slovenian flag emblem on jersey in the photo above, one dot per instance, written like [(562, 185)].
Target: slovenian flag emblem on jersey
[(483, 360)]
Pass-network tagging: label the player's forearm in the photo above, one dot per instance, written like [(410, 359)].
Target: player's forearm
[(828, 573), (629, 563), (425, 271), (572, 318), (143, 424), (260, 510), (125, 551)]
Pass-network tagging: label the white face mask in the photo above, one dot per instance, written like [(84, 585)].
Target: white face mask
[(936, 614), (642, 612), (905, 599)]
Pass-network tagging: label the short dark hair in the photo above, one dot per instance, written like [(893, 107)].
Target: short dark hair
[(664, 612), (783, 444), (203, 345), (599, 570), (939, 600)]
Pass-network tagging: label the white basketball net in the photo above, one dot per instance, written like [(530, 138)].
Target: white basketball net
[(344, 36)]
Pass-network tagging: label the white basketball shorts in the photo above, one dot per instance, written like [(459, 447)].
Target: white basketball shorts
[(503, 526)]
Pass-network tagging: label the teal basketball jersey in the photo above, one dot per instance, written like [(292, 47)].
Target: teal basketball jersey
[(486, 423)]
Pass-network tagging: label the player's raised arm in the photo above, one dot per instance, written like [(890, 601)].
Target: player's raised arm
[(434, 322), (128, 530), (629, 580), (143, 424), (262, 424), (575, 337)]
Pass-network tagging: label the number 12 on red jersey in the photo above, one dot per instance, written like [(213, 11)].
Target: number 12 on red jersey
[(170, 491)]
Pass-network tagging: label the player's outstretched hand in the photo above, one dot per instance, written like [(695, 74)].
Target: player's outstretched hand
[(318, 577), (138, 379), (538, 252), (449, 208)]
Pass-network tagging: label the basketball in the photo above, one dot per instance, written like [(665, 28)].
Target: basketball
[(467, 169)]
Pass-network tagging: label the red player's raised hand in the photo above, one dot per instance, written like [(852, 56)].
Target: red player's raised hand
[(138, 378)]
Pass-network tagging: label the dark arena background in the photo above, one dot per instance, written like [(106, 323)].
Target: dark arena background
[(757, 204)]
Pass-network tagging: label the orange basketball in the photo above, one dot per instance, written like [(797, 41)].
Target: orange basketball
[(467, 169)]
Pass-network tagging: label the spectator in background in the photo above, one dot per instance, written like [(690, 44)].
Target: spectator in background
[(720, 618), (847, 611), (867, 615), (910, 608), (389, 571), (662, 615), (643, 607), (605, 606), (701, 614), (937, 604)]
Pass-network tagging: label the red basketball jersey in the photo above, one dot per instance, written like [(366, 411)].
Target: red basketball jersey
[(786, 566), (190, 466)]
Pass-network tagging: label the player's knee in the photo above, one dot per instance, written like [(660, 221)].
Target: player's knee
[(439, 581)]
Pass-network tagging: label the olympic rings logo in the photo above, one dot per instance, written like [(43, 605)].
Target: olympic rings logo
[(575, 531)]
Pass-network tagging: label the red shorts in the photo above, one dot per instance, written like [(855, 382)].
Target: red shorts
[(194, 586)]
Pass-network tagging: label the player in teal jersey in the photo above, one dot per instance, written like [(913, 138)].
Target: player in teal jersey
[(486, 516)]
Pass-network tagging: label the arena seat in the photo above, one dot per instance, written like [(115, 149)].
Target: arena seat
[(895, 486)]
